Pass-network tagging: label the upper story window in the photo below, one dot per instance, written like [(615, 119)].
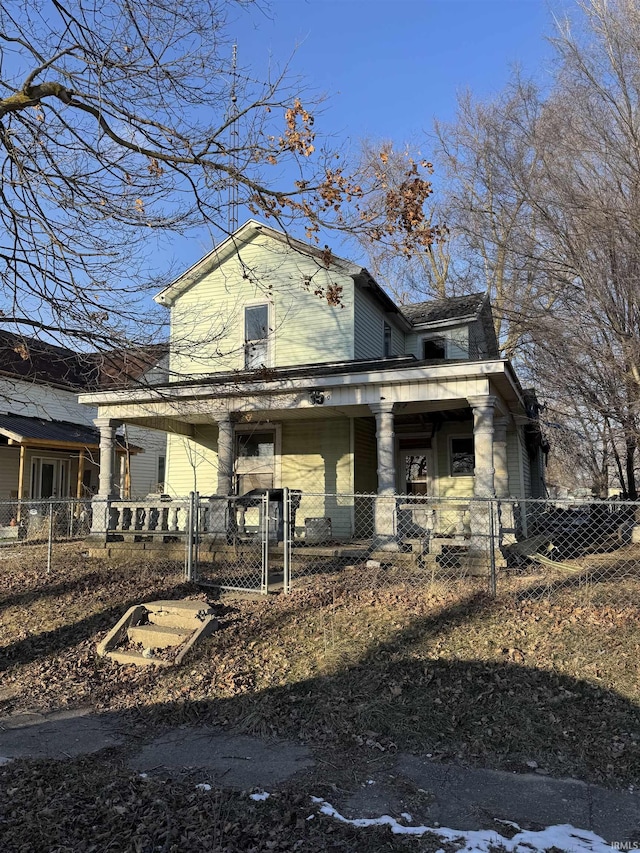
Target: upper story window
[(434, 348), (387, 339), (256, 336)]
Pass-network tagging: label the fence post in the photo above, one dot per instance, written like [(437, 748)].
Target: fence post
[(196, 537), (50, 542), (188, 568), (492, 548), (286, 541), (266, 521)]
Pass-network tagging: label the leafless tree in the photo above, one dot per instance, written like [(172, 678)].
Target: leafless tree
[(121, 122)]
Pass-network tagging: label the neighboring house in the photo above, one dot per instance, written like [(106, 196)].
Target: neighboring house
[(292, 367), (49, 445)]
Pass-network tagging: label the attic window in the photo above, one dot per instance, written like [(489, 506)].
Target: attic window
[(434, 348)]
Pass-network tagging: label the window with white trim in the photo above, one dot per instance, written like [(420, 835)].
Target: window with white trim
[(256, 336)]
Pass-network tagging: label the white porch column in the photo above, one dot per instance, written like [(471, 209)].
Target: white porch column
[(384, 512), (107, 445), (225, 454), (484, 480), (101, 502), (480, 544)]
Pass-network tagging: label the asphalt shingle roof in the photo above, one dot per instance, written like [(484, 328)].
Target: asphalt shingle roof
[(437, 310)]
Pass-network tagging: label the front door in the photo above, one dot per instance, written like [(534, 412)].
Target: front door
[(415, 481), (416, 472)]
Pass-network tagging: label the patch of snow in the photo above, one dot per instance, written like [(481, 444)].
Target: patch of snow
[(407, 816), (261, 795), (371, 781), (143, 775), (5, 760), (203, 786), (563, 837)]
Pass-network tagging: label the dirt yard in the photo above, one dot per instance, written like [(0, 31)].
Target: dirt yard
[(550, 682)]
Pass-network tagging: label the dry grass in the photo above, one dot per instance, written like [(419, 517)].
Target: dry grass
[(548, 678)]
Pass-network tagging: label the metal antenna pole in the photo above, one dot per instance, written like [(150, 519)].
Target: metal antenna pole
[(233, 144)]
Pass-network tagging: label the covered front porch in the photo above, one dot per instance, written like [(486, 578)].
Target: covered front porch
[(421, 439)]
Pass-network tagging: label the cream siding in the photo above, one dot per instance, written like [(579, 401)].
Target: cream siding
[(365, 473), (207, 322), (448, 486), (397, 341), (368, 327), (316, 458)]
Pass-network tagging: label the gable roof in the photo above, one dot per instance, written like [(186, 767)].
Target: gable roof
[(28, 358), (448, 309), (231, 245)]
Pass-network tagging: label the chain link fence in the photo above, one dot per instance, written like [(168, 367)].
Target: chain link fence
[(33, 525), (283, 540), (590, 546)]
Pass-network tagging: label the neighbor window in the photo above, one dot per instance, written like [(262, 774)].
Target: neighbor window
[(256, 333), (463, 460), (433, 348)]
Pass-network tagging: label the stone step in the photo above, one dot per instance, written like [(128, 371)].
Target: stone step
[(184, 614), (158, 636), (137, 658)]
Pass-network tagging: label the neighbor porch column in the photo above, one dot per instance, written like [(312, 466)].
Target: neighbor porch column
[(225, 455), (384, 512)]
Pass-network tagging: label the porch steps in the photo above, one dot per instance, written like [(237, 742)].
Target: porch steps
[(165, 626)]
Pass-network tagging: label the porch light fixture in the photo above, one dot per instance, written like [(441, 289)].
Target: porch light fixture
[(316, 398)]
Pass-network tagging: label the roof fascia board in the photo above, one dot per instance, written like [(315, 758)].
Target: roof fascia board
[(443, 324), (175, 392)]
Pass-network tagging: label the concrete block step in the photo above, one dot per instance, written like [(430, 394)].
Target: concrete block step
[(158, 636), (137, 658), (182, 614)]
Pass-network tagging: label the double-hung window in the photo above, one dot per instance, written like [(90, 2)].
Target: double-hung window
[(256, 336)]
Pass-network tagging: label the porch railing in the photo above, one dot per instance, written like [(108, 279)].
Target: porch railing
[(148, 517)]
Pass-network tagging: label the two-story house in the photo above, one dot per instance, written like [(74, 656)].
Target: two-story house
[(292, 367)]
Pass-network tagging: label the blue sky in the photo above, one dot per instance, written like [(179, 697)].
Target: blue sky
[(388, 68)]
